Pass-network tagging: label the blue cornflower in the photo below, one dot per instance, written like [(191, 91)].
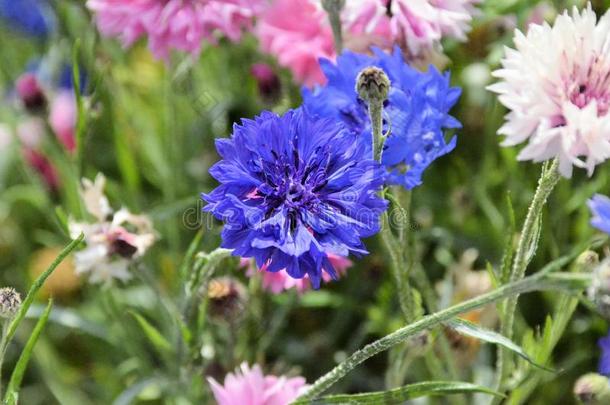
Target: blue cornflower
[(600, 208), (294, 189), (32, 17), (416, 112), (604, 360)]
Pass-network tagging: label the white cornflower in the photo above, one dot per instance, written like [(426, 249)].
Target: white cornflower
[(557, 85), (113, 240)]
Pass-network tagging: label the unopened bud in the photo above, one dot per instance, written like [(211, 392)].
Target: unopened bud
[(592, 389), (268, 82), (227, 298), (599, 291), (30, 93), (372, 85), (587, 260), (10, 302)]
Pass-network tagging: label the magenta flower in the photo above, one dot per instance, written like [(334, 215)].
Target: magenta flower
[(280, 281), (173, 24), (416, 25), (297, 33), (248, 386)]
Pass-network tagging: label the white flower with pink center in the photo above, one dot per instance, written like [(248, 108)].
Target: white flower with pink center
[(556, 84), (113, 241)]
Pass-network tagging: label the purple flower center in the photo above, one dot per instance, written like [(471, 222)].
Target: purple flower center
[(584, 86)]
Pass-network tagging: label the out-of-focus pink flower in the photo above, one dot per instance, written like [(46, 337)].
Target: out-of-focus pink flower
[(418, 25), (29, 91), (280, 281), (43, 167), (297, 33), (249, 386), (173, 24), (62, 118)]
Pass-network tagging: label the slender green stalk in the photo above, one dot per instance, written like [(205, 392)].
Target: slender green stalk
[(523, 255), (537, 282), (333, 9)]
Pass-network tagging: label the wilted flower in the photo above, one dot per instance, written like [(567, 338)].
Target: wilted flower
[(10, 302), (173, 24), (418, 26), (293, 190), (113, 240), (557, 85), (226, 297), (599, 291), (417, 111), (32, 17), (297, 33), (280, 281), (249, 386)]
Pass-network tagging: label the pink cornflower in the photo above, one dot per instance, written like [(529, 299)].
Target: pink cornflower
[(173, 24), (417, 25), (249, 386), (62, 118), (277, 282), (556, 84), (297, 33)]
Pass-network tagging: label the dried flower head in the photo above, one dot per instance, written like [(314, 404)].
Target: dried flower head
[(10, 302), (599, 291), (592, 389)]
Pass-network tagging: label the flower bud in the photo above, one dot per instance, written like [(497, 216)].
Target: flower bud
[(587, 260), (268, 82), (372, 85), (10, 302), (599, 291), (30, 93), (592, 389), (227, 298)]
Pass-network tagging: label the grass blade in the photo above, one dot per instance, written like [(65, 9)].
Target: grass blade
[(24, 358)]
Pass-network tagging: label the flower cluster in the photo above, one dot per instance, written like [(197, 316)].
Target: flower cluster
[(557, 85), (113, 240), (249, 386), (295, 189), (417, 110), (173, 24)]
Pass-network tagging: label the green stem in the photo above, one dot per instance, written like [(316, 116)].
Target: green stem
[(333, 9), (376, 115), (538, 282), (523, 255)]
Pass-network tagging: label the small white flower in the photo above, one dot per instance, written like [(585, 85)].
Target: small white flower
[(113, 241), (557, 85)]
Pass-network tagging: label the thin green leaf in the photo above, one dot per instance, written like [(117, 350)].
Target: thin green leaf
[(398, 395), (37, 285), (80, 108), (155, 337), (17, 376), (69, 318), (470, 329)]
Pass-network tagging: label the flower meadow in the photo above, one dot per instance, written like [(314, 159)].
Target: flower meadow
[(273, 202)]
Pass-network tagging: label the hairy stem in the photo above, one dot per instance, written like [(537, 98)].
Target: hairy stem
[(525, 251), (538, 282)]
